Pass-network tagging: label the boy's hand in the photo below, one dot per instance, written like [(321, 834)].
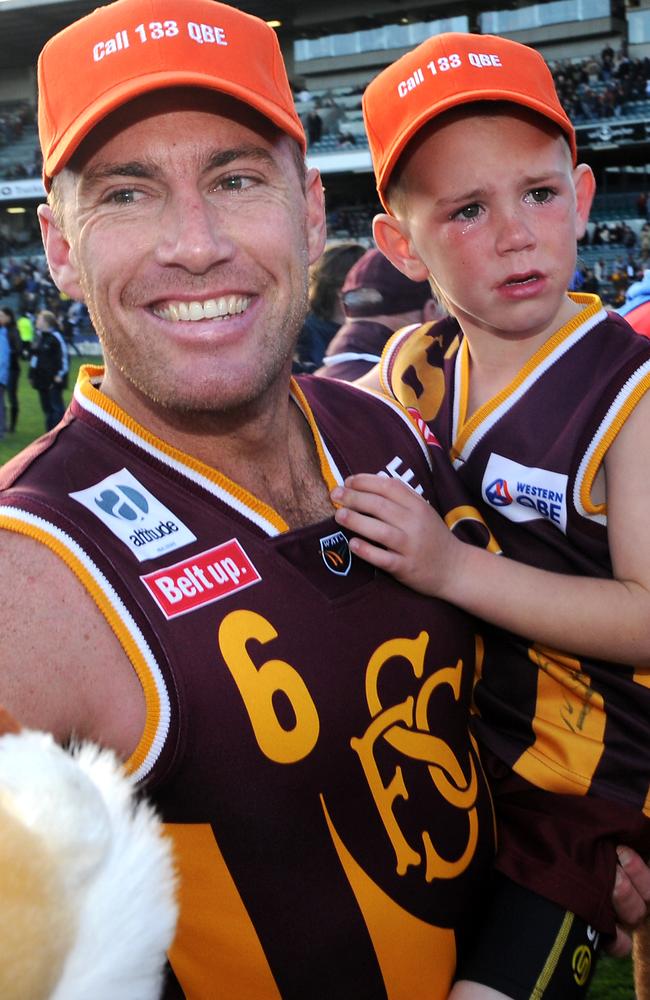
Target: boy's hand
[(402, 534), (631, 899)]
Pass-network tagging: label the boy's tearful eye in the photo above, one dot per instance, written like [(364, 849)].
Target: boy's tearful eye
[(468, 213), (541, 195)]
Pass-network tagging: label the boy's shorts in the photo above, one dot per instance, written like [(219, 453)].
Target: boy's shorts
[(529, 948), (563, 847)]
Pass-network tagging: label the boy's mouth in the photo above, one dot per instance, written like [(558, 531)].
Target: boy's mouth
[(516, 280)]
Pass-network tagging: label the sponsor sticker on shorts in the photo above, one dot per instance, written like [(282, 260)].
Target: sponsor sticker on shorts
[(201, 579), (524, 493), (128, 509)]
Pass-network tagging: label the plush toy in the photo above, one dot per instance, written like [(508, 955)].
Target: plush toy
[(87, 885)]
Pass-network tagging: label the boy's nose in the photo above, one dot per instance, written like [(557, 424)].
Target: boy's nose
[(513, 232)]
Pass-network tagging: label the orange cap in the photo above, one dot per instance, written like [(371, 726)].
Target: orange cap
[(443, 72), (131, 47)]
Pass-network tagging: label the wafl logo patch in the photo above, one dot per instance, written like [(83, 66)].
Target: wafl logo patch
[(336, 553)]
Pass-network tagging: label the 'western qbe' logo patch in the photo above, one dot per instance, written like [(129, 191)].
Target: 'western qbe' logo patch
[(135, 516), (336, 553), (524, 493)]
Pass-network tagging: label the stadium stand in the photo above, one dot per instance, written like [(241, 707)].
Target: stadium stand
[(603, 81)]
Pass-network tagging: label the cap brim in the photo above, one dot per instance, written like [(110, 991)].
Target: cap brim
[(457, 100), (128, 90)]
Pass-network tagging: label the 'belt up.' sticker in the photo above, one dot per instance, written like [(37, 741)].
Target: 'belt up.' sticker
[(201, 579)]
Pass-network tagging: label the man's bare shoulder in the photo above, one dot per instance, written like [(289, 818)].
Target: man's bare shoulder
[(63, 668)]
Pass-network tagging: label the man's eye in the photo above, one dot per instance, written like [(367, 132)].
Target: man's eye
[(124, 196), (235, 182)]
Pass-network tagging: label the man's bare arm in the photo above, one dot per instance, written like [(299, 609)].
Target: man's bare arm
[(63, 669)]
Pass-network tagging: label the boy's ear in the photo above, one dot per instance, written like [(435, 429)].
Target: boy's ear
[(391, 236), (59, 253), (585, 185)]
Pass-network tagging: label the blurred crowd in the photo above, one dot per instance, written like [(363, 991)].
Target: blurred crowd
[(27, 289), (595, 87), (603, 86)]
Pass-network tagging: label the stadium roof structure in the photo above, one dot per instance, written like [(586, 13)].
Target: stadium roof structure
[(25, 25)]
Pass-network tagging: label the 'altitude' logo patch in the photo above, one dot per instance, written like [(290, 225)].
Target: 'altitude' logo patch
[(135, 516)]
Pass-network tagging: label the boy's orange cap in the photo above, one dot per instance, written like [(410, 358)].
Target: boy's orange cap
[(443, 72), (130, 47)]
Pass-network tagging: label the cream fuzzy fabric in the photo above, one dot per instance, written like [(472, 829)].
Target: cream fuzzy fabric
[(86, 877)]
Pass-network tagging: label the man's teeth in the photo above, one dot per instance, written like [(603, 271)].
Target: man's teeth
[(227, 305)]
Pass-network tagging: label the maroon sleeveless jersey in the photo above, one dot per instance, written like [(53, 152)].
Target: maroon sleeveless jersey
[(307, 717), (528, 460)]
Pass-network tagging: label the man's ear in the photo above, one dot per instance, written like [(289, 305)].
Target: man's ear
[(316, 221), (59, 253), (585, 185), (391, 236)]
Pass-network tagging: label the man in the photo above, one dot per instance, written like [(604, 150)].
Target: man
[(48, 367), (377, 300), (184, 595), (175, 581)]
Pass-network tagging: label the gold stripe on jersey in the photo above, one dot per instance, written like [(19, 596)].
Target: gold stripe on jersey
[(119, 619), (627, 399), (569, 719), (642, 676), (403, 352), (469, 430), (466, 512), (206, 953), (416, 959), (323, 458), (92, 400)]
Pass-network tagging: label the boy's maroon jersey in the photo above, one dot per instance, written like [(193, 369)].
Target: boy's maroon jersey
[(307, 717), (528, 460)]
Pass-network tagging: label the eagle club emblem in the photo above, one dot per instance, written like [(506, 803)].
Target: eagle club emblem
[(336, 553)]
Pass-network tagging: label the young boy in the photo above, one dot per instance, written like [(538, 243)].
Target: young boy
[(540, 399)]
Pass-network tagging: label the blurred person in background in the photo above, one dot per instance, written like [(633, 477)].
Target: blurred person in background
[(5, 355), (636, 307), (16, 349), (325, 314), (48, 367), (377, 300)]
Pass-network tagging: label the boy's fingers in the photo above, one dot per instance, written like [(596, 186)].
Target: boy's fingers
[(631, 896), (382, 485), (369, 526), (372, 504), (378, 557), (621, 945)]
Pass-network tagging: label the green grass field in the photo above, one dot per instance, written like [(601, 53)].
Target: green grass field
[(31, 423), (613, 979)]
